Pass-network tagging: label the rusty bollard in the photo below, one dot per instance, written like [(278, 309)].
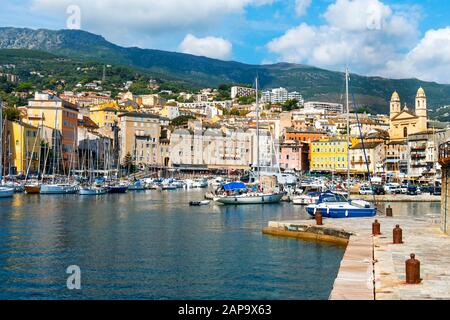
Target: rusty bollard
[(319, 218), (376, 228), (389, 212), (413, 270), (398, 235)]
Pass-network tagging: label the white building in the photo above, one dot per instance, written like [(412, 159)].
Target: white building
[(281, 95), (323, 107)]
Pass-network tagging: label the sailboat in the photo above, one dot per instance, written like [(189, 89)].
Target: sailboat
[(61, 188), (259, 197), (90, 189), (333, 205), (5, 192)]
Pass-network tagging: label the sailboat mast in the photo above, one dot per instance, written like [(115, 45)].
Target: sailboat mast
[(257, 129), (348, 130)]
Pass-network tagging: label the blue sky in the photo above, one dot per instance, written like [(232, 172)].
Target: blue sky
[(398, 39)]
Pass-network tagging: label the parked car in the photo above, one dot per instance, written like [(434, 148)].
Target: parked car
[(404, 189), (378, 190), (364, 190), (436, 191), (392, 188), (413, 191)]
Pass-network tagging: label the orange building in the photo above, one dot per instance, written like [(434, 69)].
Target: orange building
[(304, 135), (52, 112)]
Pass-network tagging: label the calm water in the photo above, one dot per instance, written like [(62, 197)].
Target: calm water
[(151, 245)]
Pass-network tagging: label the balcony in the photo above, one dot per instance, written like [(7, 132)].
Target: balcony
[(360, 163), (444, 154)]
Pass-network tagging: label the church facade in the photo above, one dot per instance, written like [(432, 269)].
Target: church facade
[(405, 122)]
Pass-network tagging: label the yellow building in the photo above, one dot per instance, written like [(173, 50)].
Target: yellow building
[(107, 114), (404, 121), (23, 147), (330, 154)]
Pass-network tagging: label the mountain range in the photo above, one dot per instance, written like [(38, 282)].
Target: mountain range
[(314, 83)]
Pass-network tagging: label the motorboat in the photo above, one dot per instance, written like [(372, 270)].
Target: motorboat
[(117, 189), (200, 183), (168, 186), (332, 205), (92, 191), (137, 186), (58, 189), (6, 192), (251, 198), (305, 199)]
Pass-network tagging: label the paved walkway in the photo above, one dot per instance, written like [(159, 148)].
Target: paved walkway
[(374, 268)]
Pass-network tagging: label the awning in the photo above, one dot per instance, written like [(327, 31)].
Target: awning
[(234, 186)]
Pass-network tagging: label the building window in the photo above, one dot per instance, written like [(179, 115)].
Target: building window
[(405, 132)]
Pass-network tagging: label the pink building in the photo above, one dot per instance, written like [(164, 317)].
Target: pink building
[(294, 155)]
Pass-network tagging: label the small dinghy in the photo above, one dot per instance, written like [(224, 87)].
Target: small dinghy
[(199, 203)]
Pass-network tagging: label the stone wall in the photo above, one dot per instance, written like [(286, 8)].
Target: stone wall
[(445, 203)]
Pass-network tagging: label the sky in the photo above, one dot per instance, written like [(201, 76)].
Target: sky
[(395, 39)]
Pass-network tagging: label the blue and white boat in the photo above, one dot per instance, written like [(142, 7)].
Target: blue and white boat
[(332, 205)]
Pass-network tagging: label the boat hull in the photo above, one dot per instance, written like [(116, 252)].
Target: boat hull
[(6, 192), (117, 189), (338, 213), (257, 199), (33, 189), (56, 189), (92, 192)]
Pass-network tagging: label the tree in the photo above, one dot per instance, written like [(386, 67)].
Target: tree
[(11, 113), (290, 105), (181, 120)]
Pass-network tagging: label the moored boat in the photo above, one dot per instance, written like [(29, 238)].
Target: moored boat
[(32, 188), (251, 198), (92, 191), (332, 205), (6, 192), (58, 189)]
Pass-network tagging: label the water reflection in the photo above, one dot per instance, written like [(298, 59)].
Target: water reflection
[(152, 245)]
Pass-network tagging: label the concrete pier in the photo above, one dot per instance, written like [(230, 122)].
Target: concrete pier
[(373, 268)]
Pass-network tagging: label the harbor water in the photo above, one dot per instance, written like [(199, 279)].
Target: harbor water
[(152, 245)]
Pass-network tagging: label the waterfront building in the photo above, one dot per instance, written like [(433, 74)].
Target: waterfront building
[(396, 159), (139, 138), (237, 91), (294, 155), (373, 152), (444, 161), (330, 154), (405, 122), (22, 147), (210, 148), (53, 112)]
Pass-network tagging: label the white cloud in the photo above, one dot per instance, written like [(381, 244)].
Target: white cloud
[(429, 60), (151, 15), (212, 47), (301, 6), (362, 33)]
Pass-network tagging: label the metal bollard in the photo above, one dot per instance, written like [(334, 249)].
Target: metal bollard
[(319, 218), (389, 212), (376, 228), (413, 270), (398, 235)]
